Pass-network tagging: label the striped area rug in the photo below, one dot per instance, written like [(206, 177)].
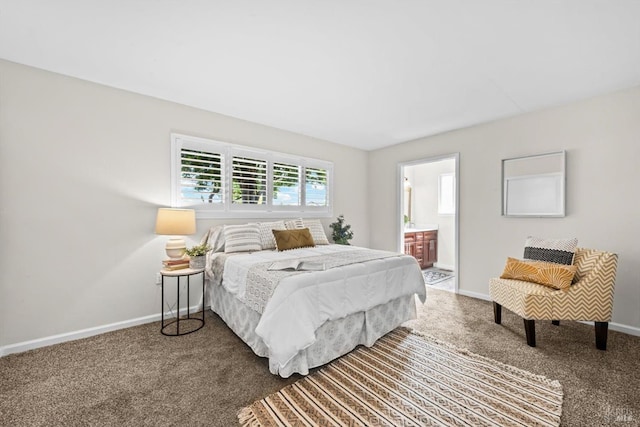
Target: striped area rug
[(407, 379)]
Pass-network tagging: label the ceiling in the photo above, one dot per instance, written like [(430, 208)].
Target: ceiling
[(364, 73)]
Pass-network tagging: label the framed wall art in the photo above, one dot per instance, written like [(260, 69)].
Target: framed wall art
[(534, 186)]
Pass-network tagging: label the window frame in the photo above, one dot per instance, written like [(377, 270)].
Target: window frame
[(447, 207), (227, 209)]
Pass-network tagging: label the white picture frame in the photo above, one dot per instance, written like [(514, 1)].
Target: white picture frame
[(534, 186)]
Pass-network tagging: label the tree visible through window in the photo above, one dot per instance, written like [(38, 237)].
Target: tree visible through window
[(249, 181), (286, 185), (316, 180), (201, 176), (217, 179)]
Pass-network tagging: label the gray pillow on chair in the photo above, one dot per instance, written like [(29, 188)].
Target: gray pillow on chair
[(559, 251)]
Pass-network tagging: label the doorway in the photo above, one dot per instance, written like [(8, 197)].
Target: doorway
[(428, 217)]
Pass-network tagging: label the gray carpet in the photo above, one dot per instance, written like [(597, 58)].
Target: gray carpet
[(139, 377)]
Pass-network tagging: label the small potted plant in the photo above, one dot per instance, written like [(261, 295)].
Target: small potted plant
[(341, 232), (197, 255)]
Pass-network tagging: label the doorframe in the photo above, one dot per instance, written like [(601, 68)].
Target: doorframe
[(400, 206)]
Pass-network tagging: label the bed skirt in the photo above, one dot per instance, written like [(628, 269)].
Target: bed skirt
[(333, 339)]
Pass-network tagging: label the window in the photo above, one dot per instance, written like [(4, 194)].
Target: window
[(446, 194), (223, 180), (316, 180), (286, 185), (201, 178), (249, 181)]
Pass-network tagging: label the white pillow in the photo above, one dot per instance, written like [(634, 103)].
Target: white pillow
[(294, 224), (214, 238), (317, 231), (266, 235), (242, 238)]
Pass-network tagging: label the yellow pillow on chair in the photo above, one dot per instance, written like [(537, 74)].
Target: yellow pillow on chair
[(557, 276)]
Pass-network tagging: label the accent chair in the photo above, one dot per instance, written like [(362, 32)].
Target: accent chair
[(589, 298)]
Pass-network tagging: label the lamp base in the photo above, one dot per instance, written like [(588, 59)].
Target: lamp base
[(176, 246)]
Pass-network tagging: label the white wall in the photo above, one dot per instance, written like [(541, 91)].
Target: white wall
[(424, 201), (83, 168), (601, 136)]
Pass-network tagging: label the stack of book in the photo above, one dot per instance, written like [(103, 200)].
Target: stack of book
[(175, 264)]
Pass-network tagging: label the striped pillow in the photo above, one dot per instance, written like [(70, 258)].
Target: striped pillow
[(242, 238), (559, 251), (317, 231), (214, 238), (294, 224)]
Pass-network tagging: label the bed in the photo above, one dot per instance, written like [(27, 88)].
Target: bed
[(303, 319)]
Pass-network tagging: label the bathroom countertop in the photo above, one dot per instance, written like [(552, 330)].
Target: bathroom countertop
[(419, 229)]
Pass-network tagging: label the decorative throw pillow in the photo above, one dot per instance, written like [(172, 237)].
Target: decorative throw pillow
[(317, 231), (266, 236), (214, 238), (557, 276), (293, 239), (242, 238), (294, 224), (559, 251)]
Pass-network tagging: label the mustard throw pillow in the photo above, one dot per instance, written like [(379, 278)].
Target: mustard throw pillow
[(292, 239), (557, 276)]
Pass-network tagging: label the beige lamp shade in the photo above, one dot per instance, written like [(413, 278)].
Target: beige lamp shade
[(175, 222)]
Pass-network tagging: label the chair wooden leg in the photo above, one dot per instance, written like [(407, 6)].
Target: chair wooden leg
[(530, 331), (555, 322), (601, 335), (497, 312)]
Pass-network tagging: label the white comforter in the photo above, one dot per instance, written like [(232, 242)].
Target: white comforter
[(302, 303)]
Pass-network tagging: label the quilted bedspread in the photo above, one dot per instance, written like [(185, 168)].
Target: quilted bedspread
[(300, 303)]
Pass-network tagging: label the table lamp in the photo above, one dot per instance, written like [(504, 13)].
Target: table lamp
[(175, 223)]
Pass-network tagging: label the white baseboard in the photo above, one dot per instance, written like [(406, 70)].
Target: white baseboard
[(85, 333), (444, 266), (626, 329), (474, 295), (89, 332)]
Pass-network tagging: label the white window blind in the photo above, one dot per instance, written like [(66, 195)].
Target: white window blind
[(201, 177), (226, 180), (249, 181), (316, 180), (286, 185)]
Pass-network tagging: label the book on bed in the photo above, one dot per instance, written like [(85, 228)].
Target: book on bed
[(295, 265)]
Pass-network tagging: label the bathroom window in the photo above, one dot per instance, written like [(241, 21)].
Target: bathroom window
[(446, 194)]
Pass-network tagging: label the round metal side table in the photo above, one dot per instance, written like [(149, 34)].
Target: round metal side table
[(188, 321)]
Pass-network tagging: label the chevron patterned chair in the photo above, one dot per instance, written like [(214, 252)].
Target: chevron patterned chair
[(590, 298)]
